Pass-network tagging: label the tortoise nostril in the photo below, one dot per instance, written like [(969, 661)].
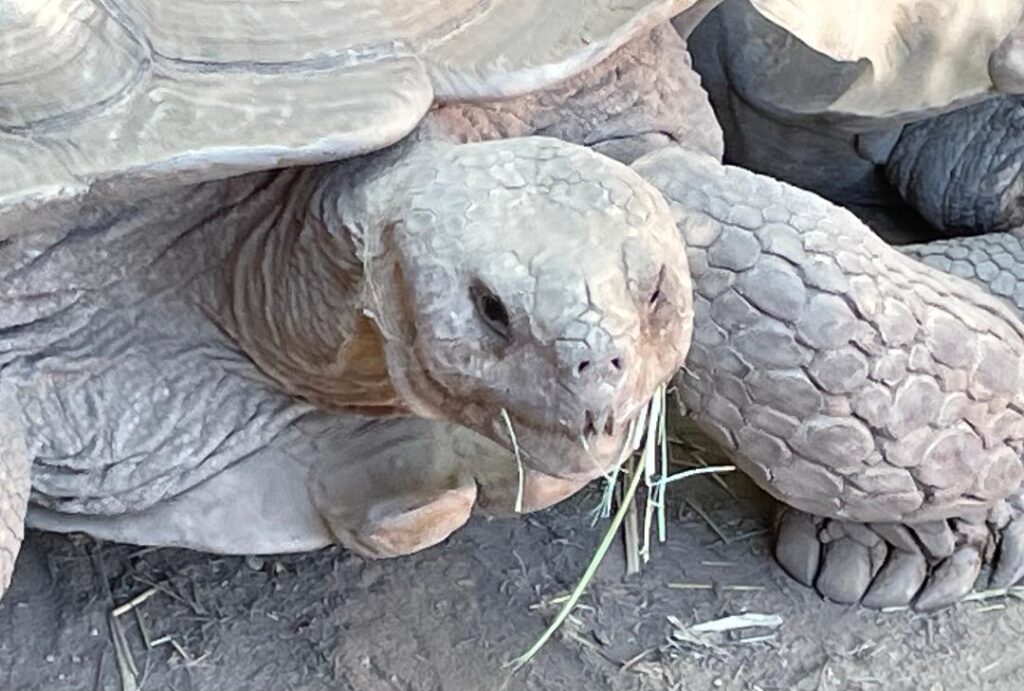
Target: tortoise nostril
[(584, 365)]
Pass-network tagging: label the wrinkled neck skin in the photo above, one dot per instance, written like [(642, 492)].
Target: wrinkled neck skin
[(365, 200), (296, 302), (300, 303)]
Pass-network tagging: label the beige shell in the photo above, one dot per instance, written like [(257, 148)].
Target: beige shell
[(99, 89), (872, 62)]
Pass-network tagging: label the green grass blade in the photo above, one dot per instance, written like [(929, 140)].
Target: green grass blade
[(588, 575)]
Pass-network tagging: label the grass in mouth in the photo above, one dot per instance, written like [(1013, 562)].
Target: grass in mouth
[(644, 458)]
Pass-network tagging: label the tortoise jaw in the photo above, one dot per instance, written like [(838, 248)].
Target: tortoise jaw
[(557, 451), (584, 450), (572, 453)]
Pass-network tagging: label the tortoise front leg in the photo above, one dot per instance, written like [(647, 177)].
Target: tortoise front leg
[(407, 484), (927, 565), (964, 171), (397, 489), (14, 486), (851, 382), (934, 564)]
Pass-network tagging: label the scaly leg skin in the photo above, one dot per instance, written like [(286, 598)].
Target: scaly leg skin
[(412, 482), (383, 487), (14, 487), (928, 565), (887, 565), (994, 261), (852, 383), (964, 171), (501, 482), (400, 491)]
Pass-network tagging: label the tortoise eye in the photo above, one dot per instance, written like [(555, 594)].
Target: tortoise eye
[(492, 310), (656, 293)]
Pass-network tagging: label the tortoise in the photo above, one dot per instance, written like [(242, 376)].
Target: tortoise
[(900, 103), (873, 390), (258, 296), (820, 354)]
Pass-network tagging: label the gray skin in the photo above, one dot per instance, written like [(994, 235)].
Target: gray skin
[(879, 398), (963, 170), (959, 170), (891, 529)]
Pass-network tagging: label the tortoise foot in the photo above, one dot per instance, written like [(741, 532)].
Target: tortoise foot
[(926, 566), (396, 487), (408, 523), (405, 520), (498, 495)]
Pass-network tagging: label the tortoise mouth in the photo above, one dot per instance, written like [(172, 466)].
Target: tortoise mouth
[(549, 448), (555, 451)]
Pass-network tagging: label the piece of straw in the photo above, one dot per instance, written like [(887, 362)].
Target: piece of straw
[(519, 460), (595, 561)]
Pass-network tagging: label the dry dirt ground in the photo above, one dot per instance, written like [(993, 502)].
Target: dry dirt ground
[(447, 618)]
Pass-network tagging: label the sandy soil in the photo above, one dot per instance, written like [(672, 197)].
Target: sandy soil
[(447, 618)]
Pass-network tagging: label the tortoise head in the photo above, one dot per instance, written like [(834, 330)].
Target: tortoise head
[(533, 288)]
